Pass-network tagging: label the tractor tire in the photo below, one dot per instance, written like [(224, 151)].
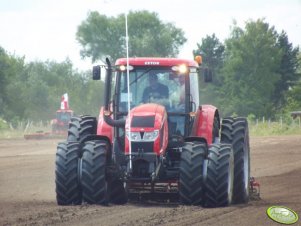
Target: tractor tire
[(226, 131), (81, 127), (219, 176), (118, 194), (68, 189), (191, 173), (93, 173), (235, 131)]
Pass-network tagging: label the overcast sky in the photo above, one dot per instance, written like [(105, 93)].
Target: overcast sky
[(45, 29)]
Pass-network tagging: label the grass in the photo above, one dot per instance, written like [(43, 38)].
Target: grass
[(20, 131), (274, 128), (255, 129)]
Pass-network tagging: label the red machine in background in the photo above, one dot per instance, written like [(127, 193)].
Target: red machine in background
[(59, 125), (61, 122)]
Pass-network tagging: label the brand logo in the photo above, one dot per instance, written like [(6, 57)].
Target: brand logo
[(282, 215), (151, 63)]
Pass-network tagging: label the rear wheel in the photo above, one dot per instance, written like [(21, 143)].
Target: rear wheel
[(81, 127), (219, 176), (226, 132), (235, 131), (93, 173), (191, 173), (68, 190)]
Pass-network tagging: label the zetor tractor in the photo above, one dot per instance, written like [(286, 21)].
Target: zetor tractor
[(162, 147)]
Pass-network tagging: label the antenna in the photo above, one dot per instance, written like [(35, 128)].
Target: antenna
[(128, 87)]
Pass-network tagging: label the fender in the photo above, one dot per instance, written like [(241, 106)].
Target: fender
[(203, 122), (104, 129)]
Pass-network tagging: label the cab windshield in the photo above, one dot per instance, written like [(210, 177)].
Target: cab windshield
[(63, 116), (159, 85)]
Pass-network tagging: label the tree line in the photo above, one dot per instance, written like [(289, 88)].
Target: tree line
[(32, 91), (256, 69)]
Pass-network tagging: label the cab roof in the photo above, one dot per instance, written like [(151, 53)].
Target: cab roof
[(156, 61)]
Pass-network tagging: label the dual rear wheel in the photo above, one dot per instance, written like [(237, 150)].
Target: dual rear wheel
[(84, 179), (81, 178), (219, 175), (206, 175), (81, 168)]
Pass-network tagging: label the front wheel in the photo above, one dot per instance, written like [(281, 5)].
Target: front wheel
[(191, 173), (68, 190), (93, 173)]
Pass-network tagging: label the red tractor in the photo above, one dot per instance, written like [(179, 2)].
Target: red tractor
[(158, 146), (63, 116), (61, 122)]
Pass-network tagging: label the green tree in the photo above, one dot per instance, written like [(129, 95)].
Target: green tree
[(251, 69), (48, 81), (293, 95), (12, 107), (211, 50), (33, 91), (102, 36), (288, 70)]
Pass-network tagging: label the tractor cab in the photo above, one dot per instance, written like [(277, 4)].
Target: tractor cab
[(176, 89), (61, 121), (64, 116), (173, 85)]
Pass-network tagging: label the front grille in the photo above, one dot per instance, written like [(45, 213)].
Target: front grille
[(142, 147)]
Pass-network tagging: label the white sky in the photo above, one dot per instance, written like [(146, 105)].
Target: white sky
[(45, 29)]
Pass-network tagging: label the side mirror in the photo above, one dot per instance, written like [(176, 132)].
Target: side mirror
[(207, 75), (96, 72)]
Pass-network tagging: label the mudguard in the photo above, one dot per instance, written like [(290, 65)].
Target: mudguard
[(103, 128), (203, 123)]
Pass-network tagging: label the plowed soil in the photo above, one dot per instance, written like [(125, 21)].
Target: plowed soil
[(27, 190)]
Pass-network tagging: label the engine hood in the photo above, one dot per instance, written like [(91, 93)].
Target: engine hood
[(146, 117)]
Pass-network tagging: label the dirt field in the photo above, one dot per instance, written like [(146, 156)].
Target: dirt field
[(27, 195)]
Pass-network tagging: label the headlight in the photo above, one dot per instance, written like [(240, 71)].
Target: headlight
[(181, 69), (123, 67), (135, 136), (147, 136), (150, 136)]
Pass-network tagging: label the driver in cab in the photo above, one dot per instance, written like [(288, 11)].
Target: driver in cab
[(155, 92)]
